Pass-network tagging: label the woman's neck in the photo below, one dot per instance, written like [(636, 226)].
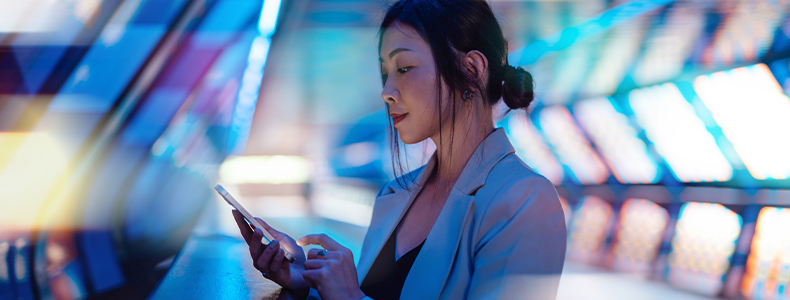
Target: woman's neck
[(457, 146)]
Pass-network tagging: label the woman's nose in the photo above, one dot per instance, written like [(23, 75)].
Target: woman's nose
[(389, 94)]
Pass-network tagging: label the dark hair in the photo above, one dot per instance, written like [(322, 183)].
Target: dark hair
[(453, 26)]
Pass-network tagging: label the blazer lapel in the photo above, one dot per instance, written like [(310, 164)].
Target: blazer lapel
[(389, 209), (434, 262), (432, 266)]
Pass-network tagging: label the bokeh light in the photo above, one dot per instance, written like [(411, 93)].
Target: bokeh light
[(768, 268), (626, 154), (571, 145), (640, 230), (754, 114), (679, 135), (705, 237), (532, 149), (589, 229)]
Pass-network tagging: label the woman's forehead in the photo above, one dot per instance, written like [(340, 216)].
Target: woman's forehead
[(399, 36)]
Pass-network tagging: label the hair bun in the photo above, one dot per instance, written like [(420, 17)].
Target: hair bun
[(519, 89)]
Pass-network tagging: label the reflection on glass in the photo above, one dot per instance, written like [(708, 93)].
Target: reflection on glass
[(625, 153), (754, 114), (571, 146), (531, 148), (588, 230), (768, 268), (679, 135), (642, 225), (705, 237)]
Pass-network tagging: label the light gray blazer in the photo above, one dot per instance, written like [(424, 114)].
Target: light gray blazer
[(500, 235)]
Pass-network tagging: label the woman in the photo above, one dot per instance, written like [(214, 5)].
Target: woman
[(475, 221)]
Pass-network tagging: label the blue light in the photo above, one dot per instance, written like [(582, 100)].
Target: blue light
[(253, 75), (567, 37)]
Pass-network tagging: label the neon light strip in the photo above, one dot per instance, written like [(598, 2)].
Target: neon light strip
[(253, 75)]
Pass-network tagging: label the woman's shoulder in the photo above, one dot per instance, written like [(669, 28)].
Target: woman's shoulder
[(511, 184), (511, 172)]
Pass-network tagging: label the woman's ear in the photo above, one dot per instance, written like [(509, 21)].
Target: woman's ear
[(476, 66)]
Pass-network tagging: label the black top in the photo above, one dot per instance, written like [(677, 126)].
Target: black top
[(387, 275)]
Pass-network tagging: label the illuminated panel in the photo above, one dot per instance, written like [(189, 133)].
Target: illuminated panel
[(747, 32), (768, 268), (571, 146), (679, 135), (626, 154), (532, 149), (276, 169), (642, 225), (705, 238), (667, 50), (617, 56), (754, 114), (588, 230)]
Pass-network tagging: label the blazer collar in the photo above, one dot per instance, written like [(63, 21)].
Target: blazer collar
[(493, 149), (434, 262), (394, 200)]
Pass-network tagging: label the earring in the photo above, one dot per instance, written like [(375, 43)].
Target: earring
[(468, 95)]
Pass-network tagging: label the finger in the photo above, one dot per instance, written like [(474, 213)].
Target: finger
[(312, 264), (278, 259), (331, 254), (245, 229), (313, 253), (256, 248), (319, 239), (265, 260)]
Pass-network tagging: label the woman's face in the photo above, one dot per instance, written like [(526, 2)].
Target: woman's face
[(409, 75)]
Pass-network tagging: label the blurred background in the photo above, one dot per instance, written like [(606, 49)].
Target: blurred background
[(664, 125)]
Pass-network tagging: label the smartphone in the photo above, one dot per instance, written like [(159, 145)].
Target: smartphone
[(247, 216)]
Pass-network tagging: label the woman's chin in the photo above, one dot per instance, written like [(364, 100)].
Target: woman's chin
[(409, 139)]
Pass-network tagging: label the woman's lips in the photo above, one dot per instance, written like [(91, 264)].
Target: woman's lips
[(396, 118)]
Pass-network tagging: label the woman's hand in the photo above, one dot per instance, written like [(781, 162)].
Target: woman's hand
[(270, 259), (333, 275)]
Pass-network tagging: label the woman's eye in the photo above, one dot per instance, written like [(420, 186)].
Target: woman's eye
[(403, 70), (384, 79)]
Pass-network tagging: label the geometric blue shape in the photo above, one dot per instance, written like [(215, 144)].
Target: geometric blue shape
[(106, 70)]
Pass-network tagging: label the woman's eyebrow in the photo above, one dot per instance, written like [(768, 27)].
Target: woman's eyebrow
[(396, 51)]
